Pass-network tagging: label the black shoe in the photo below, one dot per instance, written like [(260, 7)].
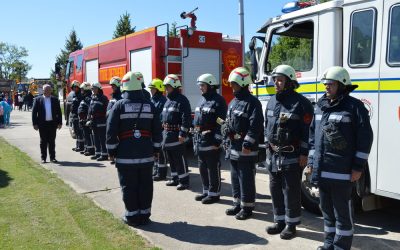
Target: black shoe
[(233, 210), (145, 221), (243, 214), (172, 183), (89, 153), (131, 222), (277, 228), (54, 161), (289, 232), (83, 152), (112, 162), (43, 161), (94, 157), (102, 158), (181, 187), (73, 149), (323, 248), (79, 150), (210, 199), (200, 197), (159, 178)]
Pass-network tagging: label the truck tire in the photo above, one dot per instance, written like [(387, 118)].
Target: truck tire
[(309, 195)]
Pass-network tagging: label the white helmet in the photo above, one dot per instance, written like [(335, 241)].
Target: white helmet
[(336, 73), (115, 80), (241, 76), (85, 86), (207, 79), (97, 85), (288, 71), (173, 81)]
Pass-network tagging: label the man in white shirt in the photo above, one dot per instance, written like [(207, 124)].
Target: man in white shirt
[(46, 117)]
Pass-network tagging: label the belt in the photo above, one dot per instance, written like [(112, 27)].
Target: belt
[(204, 128), (134, 134), (236, 136), (283, 149), (171, 127)]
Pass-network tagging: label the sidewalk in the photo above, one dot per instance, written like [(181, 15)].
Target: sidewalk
[(179, 222)]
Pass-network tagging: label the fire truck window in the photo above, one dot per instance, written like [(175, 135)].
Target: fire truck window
[(393, 57), (79, 63), (293, 45), (362, 38)]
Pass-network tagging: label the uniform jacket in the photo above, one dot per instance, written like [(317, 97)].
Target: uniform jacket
[(98, 109), (114, 98), (340, 138), (83, 108), (210, 107), (287, 121), (177, 115), (76, 100), (245, 124), (159, 101), (68, 104), (127, 117)]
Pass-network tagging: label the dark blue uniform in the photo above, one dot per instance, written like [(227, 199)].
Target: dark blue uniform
[(97, 114), (209, 139), (116, 96), (176, 119), (159, 100), (340, 142), (245, 125), (75, 100), (133, 136), (83, 111), (287, 120)]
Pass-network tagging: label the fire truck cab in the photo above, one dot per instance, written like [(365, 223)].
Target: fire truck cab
[(363, 36)]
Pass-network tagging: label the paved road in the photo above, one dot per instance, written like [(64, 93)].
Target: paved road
[(179, 222)]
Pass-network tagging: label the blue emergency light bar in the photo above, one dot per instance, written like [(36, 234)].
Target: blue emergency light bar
[(296, 5)]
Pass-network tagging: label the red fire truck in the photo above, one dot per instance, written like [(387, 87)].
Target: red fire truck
[(188, 55)]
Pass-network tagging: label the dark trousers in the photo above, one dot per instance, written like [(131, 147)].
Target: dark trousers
[(285, 187), (99, 134), (137, 190), (336, 206), (179, 167), (210, 172), (161, 165), (243, 184), (47, 132), (79, 134), (88, 139)]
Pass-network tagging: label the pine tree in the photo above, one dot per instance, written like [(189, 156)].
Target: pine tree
[(172, 31), (124, 27), (73, 43)]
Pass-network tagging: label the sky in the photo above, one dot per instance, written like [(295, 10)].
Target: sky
[(41, 26)]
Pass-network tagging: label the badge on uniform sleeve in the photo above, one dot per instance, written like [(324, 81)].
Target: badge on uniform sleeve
[(137, 134)]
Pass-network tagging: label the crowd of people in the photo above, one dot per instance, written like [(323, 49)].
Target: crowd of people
[(140, 134)]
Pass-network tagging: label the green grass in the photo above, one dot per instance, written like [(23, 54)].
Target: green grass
[(39, 211)]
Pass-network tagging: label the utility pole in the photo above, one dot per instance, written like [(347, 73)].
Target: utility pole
[(241, 25)]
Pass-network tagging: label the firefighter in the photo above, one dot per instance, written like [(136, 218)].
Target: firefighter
[(208, 138), (145, 92), (340, 142), (68, 103), (115, 83), (176, 119), (158, 99), (133, 138), (83, 114), (73, 100), (97, 121), (287, 121), (242, 129)]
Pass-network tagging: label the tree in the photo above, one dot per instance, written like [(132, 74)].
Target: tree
[(72, 43), (172, 31), (13, 65), (124, 27)]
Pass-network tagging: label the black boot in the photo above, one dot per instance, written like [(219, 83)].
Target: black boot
[(210, 199), (200, 197), (132, 221), (94, 157), (181, 187), (277, 228), (161, 174), (289, 232), (244, 214), (172, 183), (233, 210), (102, 158)]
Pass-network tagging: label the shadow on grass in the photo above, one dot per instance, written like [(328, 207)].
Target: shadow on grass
[(4, 179), (206, 235)]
